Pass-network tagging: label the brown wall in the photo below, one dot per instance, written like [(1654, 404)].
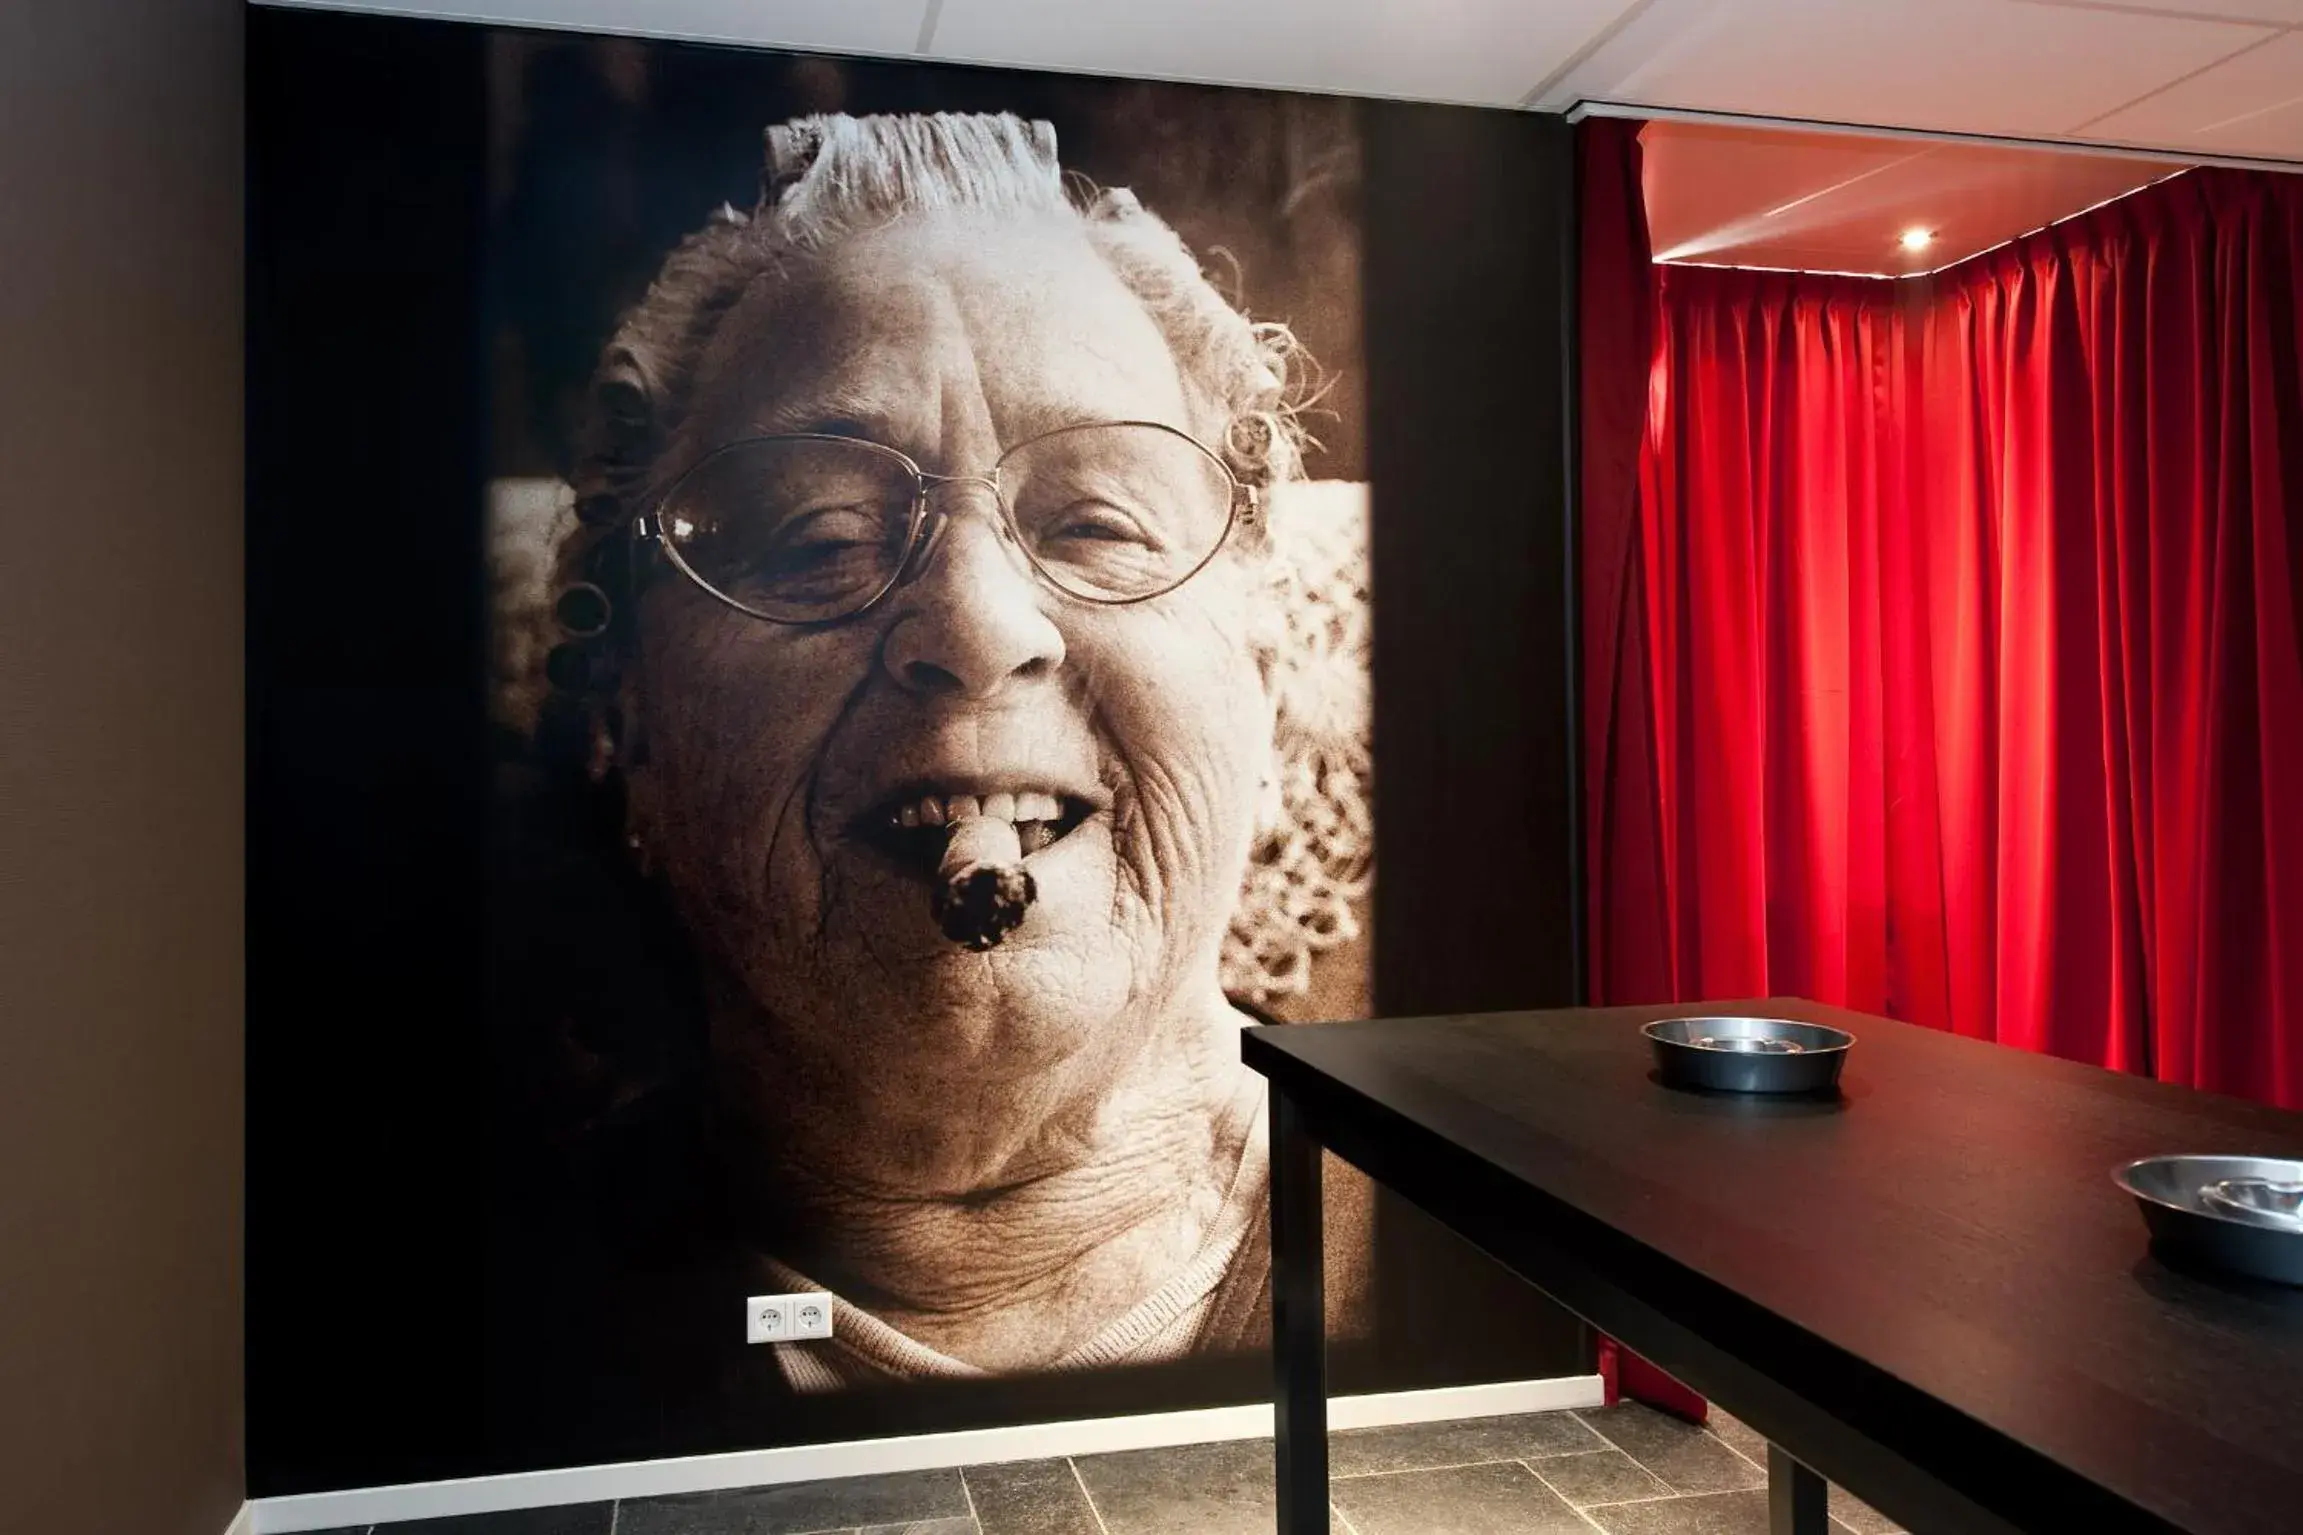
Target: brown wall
[(120, 766)]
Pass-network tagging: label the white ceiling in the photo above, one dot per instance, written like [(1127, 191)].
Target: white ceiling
[(1839, 202), (2209, 77)]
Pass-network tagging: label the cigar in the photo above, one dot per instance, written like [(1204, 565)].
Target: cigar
[(982, 887)]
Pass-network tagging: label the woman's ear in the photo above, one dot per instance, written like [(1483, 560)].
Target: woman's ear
[(1312, 628), (630, 758), (1272, 600), (1271, 796)]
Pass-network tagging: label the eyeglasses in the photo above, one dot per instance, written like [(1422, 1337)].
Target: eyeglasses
[(814, 528)]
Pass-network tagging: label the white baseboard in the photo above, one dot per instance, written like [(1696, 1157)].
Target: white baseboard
[(917, 1452), (243, 1522)]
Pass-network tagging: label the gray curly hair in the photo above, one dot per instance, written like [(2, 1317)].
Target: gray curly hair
[(833, 176), (829, 177)]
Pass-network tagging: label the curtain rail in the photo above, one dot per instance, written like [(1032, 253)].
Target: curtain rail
[(1597, 108)]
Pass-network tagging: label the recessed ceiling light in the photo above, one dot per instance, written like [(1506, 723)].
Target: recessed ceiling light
[(1918, 239)]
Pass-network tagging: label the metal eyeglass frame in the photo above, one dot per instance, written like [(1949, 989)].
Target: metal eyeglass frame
[(1244, 506)]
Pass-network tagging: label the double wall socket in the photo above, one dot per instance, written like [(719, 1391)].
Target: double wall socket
[(787, 1318)]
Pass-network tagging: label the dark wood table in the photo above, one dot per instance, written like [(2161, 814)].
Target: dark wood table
[(1928, 1290)]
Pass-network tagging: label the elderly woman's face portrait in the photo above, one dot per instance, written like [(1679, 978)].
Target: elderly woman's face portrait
[(780, 762), (969, 737)]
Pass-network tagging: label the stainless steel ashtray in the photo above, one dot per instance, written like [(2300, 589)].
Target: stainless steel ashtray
[(1748, 1055), (2244, 1214), (2265, 1201)]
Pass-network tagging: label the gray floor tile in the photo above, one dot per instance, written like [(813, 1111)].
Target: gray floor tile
[(1860, 1516), (568, 1519), (1463, 1442), (797, 1507), (924, 1527), (1498, 1499), (1748, 1442), (1030, 1497), (1603, 1476), (1738, 1435), (1203, 1489), (1719, 1513), (1685, 1456), (1715, 1513)]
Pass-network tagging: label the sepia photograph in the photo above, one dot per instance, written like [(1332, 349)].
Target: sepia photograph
[(930, 632)]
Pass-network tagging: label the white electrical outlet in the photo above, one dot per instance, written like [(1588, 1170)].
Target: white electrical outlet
[(767, 1319), (812, 1315), (787, 1318)]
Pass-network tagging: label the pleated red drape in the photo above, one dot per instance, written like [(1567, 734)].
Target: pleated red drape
[(1951, 667), (1617, 312), (1616, 357)]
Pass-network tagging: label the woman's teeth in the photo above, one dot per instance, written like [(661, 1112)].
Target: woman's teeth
[(1037, 815)]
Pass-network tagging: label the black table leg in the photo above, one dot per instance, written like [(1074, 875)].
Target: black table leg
[(1798, 1501), (1298, 1324)]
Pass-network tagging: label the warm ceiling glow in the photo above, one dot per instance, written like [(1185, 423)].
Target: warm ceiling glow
[(1918, 239)]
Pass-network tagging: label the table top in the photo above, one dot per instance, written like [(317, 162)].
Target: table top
[(1940, 1248)]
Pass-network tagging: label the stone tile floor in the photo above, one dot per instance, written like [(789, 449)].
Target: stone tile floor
[(1625, 1470)]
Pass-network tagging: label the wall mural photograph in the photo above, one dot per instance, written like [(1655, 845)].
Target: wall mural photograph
[(928, 530), (913, 604)]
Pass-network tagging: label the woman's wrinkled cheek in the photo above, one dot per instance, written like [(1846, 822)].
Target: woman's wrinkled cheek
[(735, 775), (1191, 729), (727, 808), (1167, 819)]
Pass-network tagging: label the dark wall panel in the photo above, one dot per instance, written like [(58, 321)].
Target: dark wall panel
[(1469, 218), (367, 764), (1469, 224)]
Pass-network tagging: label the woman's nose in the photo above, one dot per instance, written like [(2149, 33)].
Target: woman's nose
[(973, 619)]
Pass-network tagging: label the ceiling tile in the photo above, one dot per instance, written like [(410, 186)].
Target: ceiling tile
[(860, 26), (1486, 51), (2282, 13), (1767, 197), (1974, 66), (2251, 105)]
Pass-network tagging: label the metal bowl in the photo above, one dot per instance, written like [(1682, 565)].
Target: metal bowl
[(1748, 1055), (2228, 1212)]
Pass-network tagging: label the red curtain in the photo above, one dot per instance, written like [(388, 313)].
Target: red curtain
[(1617, 313), (1616, 352), (1954, 668)]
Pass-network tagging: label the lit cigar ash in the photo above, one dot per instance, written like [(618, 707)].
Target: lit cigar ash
[(982, 887)]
